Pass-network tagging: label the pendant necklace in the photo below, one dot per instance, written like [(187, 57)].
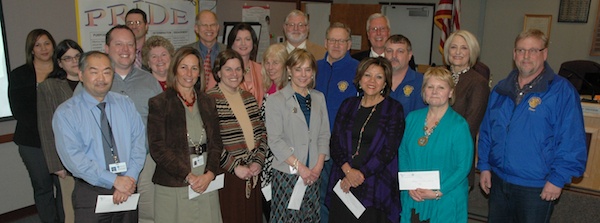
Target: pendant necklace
[(424, 139), (362, 130)]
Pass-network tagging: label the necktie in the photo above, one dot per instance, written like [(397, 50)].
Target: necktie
[(108, 141), (207, 70), (138, 59)]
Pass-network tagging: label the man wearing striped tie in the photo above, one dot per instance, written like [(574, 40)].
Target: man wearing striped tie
[(207, 28)]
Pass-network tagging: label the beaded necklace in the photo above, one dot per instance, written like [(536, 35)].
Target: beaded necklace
[(188, 104), (424, 139)]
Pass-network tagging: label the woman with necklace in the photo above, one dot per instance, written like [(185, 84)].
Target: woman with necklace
[(55, 90), (437, 139), (472, 91), (364, 146), (22, 95), (244, 41), (244, 141), (298, 129), (185, 142)]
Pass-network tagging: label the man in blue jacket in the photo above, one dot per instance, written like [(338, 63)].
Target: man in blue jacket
[(532, 138), (334, 78)]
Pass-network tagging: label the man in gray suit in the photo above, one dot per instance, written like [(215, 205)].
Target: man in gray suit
[(207, 28)]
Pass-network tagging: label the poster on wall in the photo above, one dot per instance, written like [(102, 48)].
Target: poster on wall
[(260, 14), (172, 19)]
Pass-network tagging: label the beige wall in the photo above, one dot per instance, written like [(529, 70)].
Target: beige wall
[(496, 23)]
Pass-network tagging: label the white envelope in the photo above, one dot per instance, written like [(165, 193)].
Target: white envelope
[(266, 191), (412, 180), (297, 195), (104, 204), (216, 184), (349, 200)]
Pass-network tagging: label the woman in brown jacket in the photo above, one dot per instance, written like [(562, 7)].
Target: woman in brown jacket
[(186, 144)]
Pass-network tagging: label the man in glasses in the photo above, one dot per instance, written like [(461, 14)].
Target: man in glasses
[(296, 29), (378, 31), (207, 28), (334, 78), (532, 138), (137, 21)]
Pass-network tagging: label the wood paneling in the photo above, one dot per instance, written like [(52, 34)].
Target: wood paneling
[(355, 16), (6, 138)]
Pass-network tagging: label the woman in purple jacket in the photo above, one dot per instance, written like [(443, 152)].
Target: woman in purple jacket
[(364, 146)]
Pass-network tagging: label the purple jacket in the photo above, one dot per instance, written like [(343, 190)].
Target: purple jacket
[(380, 188)]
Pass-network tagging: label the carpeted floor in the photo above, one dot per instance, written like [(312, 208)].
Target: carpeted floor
[(575, 205)]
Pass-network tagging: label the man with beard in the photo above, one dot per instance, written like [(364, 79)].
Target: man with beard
[(296, 30), (378, 31), (406, 82)]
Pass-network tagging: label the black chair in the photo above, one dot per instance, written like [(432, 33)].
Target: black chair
[(583, 74)]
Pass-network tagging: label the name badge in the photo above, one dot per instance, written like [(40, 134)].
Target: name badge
[(197, 161), (117, 167)]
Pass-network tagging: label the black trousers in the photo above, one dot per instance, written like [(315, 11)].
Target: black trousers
[(84, 205)]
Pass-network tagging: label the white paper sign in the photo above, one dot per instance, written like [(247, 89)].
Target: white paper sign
[(349, 200), (412, 180), (297, 195), (105, 204), (216, 184)]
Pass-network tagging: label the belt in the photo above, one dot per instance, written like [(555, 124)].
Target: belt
[(198, 151)]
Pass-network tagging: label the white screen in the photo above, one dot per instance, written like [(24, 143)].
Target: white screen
[(4, 105)]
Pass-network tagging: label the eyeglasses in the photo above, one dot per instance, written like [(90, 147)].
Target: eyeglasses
[(206, 26), (380, 29), (74, 59), (298, 25), (132, 23), (340, 41), (532, 51)]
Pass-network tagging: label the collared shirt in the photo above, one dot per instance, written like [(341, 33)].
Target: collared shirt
[(520, 92), (374, 54), (408, 93), (140, 86), (76, 125), (291, 48), (214, 51)]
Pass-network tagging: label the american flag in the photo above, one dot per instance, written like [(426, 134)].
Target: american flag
[(447, 18)]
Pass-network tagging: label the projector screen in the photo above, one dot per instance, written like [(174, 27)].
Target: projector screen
[(5, 113)]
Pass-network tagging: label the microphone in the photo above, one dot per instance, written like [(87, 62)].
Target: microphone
[(585, 81)]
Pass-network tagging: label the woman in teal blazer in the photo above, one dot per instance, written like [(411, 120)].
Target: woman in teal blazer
[(437, 139)]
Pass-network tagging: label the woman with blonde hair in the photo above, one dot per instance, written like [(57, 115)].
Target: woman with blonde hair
[(436, 139)]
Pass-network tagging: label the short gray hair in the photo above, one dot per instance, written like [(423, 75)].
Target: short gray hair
[(377, 15)]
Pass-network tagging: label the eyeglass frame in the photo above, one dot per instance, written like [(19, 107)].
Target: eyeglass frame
[(299, 25), (380, 29), (334, 41), (132, 23), (71, 59), (532, 51)]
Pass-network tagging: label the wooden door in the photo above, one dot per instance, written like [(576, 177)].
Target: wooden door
[(355, 16)]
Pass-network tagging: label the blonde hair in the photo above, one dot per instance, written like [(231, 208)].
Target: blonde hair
[(279, 53), (299, 57), (440, 73), (471, 43)]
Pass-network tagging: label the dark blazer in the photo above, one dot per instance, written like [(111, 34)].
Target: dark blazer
[(167, 137), (50, 94), (380, 168), (23, 104), (364, 54)]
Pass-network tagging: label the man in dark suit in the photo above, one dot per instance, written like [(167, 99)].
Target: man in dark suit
[(378, 31)]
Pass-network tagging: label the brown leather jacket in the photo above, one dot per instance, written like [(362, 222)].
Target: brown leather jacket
[(168, 141)]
